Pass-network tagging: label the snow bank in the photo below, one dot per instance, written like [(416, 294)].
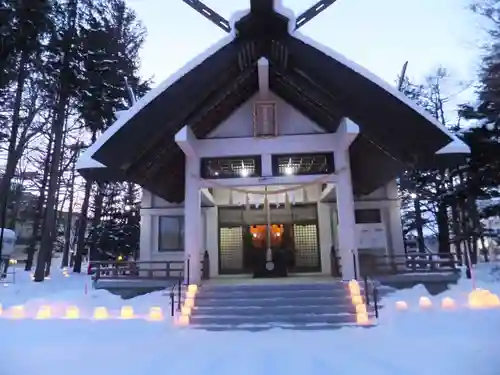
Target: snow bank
[(414, 342), (60, 292)]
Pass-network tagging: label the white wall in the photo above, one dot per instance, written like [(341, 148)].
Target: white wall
[(152, 207), (290, 121), (386, 199)]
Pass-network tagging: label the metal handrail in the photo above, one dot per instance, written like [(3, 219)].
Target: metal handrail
[(374, 292), (355, 264), (178, 286)]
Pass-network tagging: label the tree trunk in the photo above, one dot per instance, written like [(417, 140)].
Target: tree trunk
[(476, 227), (455, 220), (465, 236), (443, 229), (58, 214), (16, 201), (58, 130), (471, 235), (69, 224), (96, 220), (12, 154), (82, 228), (40, 212), (82, 221), (419, 223)]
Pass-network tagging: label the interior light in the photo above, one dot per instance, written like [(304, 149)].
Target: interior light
[(288, 170), (244, 172)]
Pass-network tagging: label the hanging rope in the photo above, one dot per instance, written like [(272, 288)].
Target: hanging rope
[(320, 180)]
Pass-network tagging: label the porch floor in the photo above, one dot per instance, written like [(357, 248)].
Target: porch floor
[(300, 278)]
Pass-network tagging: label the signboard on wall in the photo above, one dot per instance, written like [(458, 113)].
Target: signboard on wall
[(371, 236)]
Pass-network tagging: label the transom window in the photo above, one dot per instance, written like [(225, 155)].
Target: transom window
[(231, 167), (303, 164)]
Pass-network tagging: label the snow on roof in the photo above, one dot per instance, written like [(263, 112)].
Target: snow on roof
[(86, 161), (455, 146)]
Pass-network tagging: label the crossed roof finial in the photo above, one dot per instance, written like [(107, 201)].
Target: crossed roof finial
[(256, 5)]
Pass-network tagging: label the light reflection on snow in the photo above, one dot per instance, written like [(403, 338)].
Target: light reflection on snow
[(449, 341)]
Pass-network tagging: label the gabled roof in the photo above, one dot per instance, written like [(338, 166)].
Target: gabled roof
[(319, 82)]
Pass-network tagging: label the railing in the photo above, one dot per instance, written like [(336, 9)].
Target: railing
[(354, 264), (141, 270), (152, 270), (379, 265), (176, 287), (409, 263), (374, 294)]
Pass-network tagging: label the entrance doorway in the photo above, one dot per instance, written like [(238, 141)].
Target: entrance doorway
[(243, 238), (262, 239)]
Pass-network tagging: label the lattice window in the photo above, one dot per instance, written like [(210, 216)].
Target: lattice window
[(231, 248), (303, 164), (265, 119), (231, 167), (306, 245)]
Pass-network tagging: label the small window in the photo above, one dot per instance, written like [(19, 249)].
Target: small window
[(371, 216), (231, 167), (265, 119), (171, 233), (302, 164)]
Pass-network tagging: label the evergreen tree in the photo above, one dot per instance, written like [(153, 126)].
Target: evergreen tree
[(64, 65), (483, 173), (117, 234), (112, 38), (21, 41)]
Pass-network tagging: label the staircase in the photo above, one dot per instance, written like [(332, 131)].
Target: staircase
[(255, 307)]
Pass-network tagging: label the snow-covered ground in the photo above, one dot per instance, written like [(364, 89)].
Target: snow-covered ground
[(413, 342)]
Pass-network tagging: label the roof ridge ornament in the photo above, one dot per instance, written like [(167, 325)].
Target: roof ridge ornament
[(209, 14), (312, 12), (256, 6)]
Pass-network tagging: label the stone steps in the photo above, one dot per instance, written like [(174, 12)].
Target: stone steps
[(308, 306), (266, 327), (288, 309)]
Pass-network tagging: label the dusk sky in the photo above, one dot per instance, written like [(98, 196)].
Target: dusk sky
[(378, 34)]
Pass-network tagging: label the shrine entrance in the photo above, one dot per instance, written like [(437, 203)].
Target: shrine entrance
[(245, 240)]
